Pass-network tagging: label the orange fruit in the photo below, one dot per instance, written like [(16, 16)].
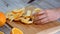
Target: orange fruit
[(2, 19), (1, 32), (16, 31)]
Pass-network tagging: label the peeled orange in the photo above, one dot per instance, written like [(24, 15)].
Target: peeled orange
[(16, 31), (2, 19)]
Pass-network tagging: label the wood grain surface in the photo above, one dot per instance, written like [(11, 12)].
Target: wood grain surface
[(32, 28)]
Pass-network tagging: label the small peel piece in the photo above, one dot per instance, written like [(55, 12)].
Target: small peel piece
[(28, 14), (26, 20), (37, 9)]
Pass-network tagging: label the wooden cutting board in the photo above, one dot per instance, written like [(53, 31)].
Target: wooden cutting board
[(32, 28)]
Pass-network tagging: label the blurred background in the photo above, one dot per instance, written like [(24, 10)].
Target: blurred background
[(6, 5)]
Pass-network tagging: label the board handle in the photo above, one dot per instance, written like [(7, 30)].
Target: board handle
[(8, 26)]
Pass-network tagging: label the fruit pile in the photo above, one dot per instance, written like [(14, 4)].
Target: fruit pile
[(23, 15)]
